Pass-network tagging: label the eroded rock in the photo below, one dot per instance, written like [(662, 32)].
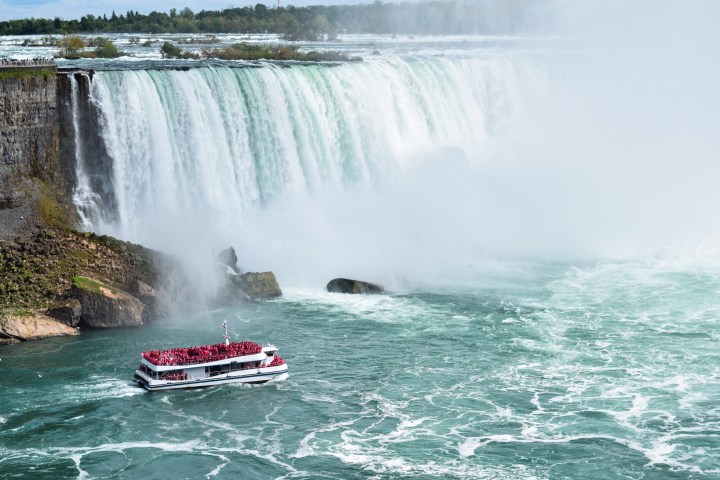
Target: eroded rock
[(35, 326), (257, 286)]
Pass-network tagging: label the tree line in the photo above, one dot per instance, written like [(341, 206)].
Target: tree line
[(302, 23)]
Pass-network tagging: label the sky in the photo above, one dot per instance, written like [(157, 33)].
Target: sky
[(70, 9)]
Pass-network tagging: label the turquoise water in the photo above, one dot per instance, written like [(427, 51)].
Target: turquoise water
[(547, 371)]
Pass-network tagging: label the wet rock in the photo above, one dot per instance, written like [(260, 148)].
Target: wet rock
[(250, 286), (346, 285), (258, 285), (229, 257)]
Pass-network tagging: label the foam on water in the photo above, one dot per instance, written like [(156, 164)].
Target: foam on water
[(583, 372), (100, 387)]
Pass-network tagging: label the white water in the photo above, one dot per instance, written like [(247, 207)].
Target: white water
[(88, 203), (266, 158)]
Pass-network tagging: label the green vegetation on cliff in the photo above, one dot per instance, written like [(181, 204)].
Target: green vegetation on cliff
[(39, 270), (51, 210), (89, 284), (45, 73)]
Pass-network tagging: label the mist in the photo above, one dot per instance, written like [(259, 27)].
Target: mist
[(624, 142), (597, 144), (615, 156)]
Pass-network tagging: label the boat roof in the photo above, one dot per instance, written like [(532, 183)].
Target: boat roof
[(203, 355)]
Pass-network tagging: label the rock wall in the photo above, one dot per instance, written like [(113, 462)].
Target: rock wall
[(29, 130), (29, 144)]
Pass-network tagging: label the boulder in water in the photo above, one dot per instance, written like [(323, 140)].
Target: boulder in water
[(257, 286), (104, 306), (346, 285)]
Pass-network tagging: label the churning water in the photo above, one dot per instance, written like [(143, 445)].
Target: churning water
[(604, 371)]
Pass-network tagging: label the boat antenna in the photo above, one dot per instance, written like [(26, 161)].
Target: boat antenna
[(225, 335)]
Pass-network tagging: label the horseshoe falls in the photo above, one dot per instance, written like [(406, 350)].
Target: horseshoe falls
[(542, 213), (218, 156)]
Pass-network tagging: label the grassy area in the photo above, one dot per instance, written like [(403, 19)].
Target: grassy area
[(46, 73), (90, 284), (51, 210)]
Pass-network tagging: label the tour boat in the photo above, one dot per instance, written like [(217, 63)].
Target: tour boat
[(229, 362)]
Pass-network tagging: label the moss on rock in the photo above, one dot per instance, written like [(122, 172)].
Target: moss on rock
[(93, 285)]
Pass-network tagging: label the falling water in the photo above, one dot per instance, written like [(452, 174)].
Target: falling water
[(193, 150), (88, 202)]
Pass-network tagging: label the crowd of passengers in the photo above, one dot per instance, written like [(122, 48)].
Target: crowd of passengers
[(204, 354), (276, 361), (29, 62)]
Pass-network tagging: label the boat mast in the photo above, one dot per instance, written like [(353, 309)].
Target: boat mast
[(225, 335)]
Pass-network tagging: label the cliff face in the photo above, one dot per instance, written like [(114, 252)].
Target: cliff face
[(29, 131), (29, 145)]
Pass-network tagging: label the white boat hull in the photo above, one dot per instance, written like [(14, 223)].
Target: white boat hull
[(260, 375)]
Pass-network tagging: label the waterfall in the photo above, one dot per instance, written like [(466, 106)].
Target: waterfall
[(87, 201), (194, 153)]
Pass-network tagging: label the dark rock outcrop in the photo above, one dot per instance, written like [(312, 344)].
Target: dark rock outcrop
[(346, 285), (106, 307), (68, 312), (229, 257)]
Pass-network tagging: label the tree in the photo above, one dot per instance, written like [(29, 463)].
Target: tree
[(187, 14), (87, 23), (71, 46), (168, 50), (106, 49)]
